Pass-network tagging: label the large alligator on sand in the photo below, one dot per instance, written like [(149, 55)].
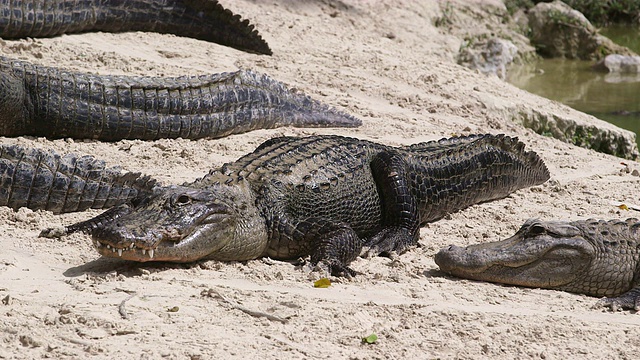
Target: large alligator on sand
[(330, 197), (50, 102), (200, 19), (592, 257)]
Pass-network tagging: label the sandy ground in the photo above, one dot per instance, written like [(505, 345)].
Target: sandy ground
[(385, 62)]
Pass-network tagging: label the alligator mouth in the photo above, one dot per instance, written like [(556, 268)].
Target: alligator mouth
[(459, 261), (543, 264), (166, 245), (131, 252)]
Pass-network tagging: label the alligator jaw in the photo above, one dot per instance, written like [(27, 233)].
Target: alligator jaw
[(172, 246), (534, 257), (176, 224)]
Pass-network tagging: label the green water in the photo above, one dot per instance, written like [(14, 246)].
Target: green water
[(610, 97), (625, 35)]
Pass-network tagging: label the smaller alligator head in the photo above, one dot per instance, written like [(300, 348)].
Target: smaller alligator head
[(183, 224), (578, 257)]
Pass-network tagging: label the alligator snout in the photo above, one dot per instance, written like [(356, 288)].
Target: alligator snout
[(119, 236), (131, 244), (447, 257)]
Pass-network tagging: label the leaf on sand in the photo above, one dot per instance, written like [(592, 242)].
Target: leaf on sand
[(322, 283), (173, 309), (370, 339), (623, 207)]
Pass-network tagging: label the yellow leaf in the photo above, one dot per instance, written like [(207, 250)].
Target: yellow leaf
[(623, 207), (322, 283)]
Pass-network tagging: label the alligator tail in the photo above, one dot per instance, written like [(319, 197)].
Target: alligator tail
[(200, 19), (458, 172), (45, 101), (44, 180), (279, 105)]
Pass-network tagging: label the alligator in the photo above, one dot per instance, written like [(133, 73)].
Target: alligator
[(593, 257), (54, 103), (44, 180), (200, 19), (333, 198)]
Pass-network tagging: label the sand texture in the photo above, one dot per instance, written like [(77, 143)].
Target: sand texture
[(385, 62)]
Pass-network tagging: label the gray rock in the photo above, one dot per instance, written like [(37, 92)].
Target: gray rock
[(616, 63), (557, 30), (597, 135), (490, 57)]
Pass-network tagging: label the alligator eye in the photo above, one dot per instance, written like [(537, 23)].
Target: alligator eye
[(183, 199), (536, 229)]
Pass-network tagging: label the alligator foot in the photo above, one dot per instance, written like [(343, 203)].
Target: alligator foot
[(334, 268), (389, 241), (627, 301), (54, 232)]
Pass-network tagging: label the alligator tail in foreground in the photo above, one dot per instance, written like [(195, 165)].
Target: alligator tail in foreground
[(44, 180), (592, 257), (45, 101), (325, 196), (199, 19)]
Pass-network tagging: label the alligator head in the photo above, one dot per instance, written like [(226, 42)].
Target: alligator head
[(183, 224), (553, 255)]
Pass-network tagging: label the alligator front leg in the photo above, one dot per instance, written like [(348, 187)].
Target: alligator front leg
[(400, 224), (627, 301), (331, 245), (335, 246)]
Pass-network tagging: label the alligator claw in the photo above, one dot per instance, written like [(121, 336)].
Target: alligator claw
[(390, 240), (54, 232), (626, 301), (342, 270), (335, 268)]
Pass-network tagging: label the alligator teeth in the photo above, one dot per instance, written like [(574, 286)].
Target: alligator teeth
[(144, 251), (119, 252), (132, 246), (98, 244), (113, 249), (151, 254), (108, 246)]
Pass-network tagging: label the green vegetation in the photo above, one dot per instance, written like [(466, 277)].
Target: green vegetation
[(603, 12), (371, 339), (447, 15), (514, 5), (561, 18), (599, 12)]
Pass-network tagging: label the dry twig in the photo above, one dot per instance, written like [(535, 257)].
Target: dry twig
[(237, 306)]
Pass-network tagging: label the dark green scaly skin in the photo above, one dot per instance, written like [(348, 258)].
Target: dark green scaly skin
[(44, 101), (592, 257), (200, 19), (329, 197), (44, 180)]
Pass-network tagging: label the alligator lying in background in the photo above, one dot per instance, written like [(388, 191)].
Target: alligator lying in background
[(592, 257), (44, 180), (44, 101), (325, 196), (200, 19)]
